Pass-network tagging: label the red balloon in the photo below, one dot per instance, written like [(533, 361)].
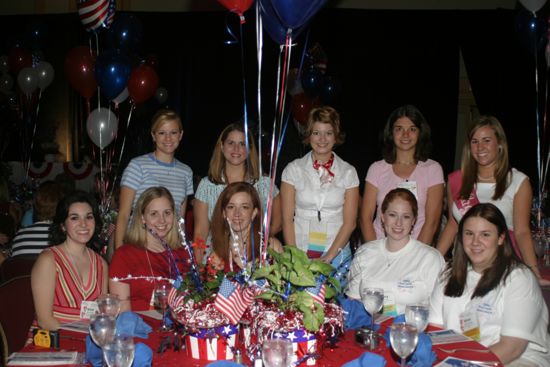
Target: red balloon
[(237, 6), (301, 105), (79, 67), (19, 58), (143, 83)]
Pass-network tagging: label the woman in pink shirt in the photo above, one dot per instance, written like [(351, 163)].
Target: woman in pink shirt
[(406, 165)]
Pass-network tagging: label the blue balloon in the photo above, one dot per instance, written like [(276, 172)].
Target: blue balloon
[(329, 90), (125, 33), (112, 71), (312, 80), (296, 13), (271, 22)]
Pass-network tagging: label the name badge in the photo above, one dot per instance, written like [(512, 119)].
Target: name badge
[(409, 185), (470, 325), (317, 239), (88, 309), (390, 308)]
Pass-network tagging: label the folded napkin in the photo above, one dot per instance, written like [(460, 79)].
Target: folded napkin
[(423, 355), (367, 359), (130, 323), (143, 355), (355, 314)]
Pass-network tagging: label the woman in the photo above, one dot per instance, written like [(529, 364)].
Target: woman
[(159, 168), (320, 192), (490, 295), (230, 163), (152, 253), (69, 273), (486, 177), (236, 227), (405, 268), (406, 150)]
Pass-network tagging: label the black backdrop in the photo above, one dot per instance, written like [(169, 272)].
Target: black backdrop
[(383, 59)]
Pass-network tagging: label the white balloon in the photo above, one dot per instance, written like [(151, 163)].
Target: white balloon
[(27, 80), (121, 97), (533, 5), (102, 126), (45, 74), (161, 95)]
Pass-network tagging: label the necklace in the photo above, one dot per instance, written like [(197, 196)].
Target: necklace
[(481, 178), (72, 259), (406, 163)]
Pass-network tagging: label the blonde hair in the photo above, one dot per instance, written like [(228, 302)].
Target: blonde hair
[(217, 162), (137, 233), (162, 116), (325, 115), (469, 165)]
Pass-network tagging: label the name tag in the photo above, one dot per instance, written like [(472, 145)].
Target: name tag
[(409, 185), (390, 308), (88, 309), (470, 325), (317, 239)]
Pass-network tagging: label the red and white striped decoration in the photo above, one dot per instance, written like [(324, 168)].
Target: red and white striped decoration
[(94, 13), (214, 348)]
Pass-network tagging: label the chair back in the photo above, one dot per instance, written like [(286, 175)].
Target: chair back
[(16, 313), (16, 266)]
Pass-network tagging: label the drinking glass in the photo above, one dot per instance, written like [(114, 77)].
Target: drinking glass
[(417, 314), (277, 353), (161, 302), (373, 300), (102, 329), (403, 338), (119, 352), (539, 241), (108, 304)]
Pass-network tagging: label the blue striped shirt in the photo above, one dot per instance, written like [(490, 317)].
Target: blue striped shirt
[(146, 171)]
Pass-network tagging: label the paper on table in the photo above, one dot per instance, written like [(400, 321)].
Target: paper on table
[(45, 358), (82, 326), (154, 314), (447, 337), (457, 362)]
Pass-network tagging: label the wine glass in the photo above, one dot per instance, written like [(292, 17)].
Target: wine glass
[(119, 352), (373, 300), (403, 338), (161, 302), (277, 353), (102, 329), (108, 304), (540, 244), (417, 314)]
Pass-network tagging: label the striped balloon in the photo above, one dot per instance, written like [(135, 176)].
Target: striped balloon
[(95, 14)]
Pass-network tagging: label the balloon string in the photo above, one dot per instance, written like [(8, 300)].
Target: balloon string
[(245, 107), (132, 106), (33, 133), (259, 54), (537, 117), (230, 32)]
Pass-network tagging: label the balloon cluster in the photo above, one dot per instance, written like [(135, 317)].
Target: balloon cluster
[(311, 87)]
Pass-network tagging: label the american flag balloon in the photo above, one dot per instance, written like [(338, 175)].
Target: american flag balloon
[(96, 13)]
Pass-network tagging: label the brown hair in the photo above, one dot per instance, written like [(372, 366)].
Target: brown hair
[(469, 165), (403, 194), (220, 227), (137, 233), (46, 198), (217, 162), (325, 115)]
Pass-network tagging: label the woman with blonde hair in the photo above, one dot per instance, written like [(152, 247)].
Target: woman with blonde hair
[(152, 252), (486, 177), (158, 168), (230, 162)]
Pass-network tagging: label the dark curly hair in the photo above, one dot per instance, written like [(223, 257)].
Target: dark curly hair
[(57, 234)]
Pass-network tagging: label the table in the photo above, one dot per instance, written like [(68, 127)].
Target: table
[(346, 349)]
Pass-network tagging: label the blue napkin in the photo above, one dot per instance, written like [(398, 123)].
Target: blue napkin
[(129, 323), (423, 355), (143, 355), (224, 364), (355, 314), (367, 359)]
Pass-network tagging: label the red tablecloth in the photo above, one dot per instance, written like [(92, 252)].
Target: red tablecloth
[(346, 350)]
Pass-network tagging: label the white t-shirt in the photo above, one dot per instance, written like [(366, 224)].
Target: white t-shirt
[(515, 308), (485, 191), (408, 275)]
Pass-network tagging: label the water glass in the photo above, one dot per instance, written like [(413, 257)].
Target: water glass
[(373, 300), (417, 314), (108, 304), (102, 329), (277, 353), (403, 338), (161, 302), (119, 352)]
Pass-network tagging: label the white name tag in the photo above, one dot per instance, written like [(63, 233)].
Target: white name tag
[(88, 309), (409, 185)]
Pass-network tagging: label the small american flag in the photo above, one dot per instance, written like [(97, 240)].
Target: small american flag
[(232, 300), (317, 292), (95, 13)]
